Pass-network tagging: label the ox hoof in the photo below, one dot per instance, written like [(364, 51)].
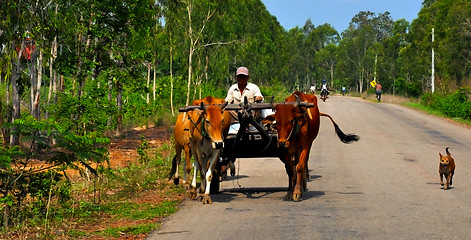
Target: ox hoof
[(191, 194), (297, 194), (207, 199), (289, 197), (176, 181)]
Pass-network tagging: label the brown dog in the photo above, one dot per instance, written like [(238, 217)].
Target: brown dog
[(446, 168)]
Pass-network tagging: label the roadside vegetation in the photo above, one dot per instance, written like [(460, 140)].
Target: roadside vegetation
[(76, 77), (118, 202)]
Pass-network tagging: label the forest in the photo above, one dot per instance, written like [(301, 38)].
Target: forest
[(74, 72)]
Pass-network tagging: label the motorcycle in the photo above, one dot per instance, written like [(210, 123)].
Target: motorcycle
[(324, 94)]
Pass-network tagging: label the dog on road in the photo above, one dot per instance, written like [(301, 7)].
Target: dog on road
[(446, 168)]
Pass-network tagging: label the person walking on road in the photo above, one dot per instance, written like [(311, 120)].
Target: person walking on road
[(378, 88)]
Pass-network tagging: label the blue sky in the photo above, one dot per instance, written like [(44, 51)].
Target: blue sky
[(339, 13)]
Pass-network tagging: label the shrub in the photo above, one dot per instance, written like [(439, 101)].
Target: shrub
[(456, 105), (25, 189)]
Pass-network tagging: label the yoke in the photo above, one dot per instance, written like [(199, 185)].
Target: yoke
[(249, 138)]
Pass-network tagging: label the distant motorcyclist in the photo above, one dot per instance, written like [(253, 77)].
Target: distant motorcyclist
[(324, 87), (324, 90), (312, 89)]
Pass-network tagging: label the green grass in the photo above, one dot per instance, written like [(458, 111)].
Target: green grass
[(135, 211), (134, 230), (423, 108), (76, 234)]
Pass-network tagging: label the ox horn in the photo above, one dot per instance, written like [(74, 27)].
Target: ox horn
[(188, 108), (272, 102), (224, 105), (202, 106), (296, 104), (307, 105)]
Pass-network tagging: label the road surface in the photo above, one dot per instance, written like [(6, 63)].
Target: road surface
[(386, 186)]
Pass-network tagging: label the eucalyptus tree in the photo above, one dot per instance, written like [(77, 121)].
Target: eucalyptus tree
[(359, 46), (42, 31), (354, 50), (326, 62), (318, 39), (223, 36), (392, 49), (453, 22), (261, 42), (13, 26), (171, 13), (195, 27), (296, 40)]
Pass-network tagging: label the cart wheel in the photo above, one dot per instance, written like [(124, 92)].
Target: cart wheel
[(214, 189)]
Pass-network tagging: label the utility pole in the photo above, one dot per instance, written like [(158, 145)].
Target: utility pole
[(433, 62)]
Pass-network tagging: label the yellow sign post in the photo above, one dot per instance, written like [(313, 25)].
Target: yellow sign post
[(373, 83)]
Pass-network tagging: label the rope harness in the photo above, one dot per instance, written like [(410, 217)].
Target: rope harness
[(202, 129), (296, 128)]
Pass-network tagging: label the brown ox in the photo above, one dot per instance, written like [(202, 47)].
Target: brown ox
[(182, 142), (209, 125), (297, 128)]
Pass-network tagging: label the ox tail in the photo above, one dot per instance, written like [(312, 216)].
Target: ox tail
[(345, 138), (174, 168)]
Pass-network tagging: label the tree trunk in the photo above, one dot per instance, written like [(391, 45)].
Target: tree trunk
[(190, 52), (190, 72), (52, 74), (193, 44), (36, 90), (33, 79), (360, 80), (154, 81), (110, 95), (199, 79), (148, 83), (331, 69), (119, 103), (171, 77), (14, 137)]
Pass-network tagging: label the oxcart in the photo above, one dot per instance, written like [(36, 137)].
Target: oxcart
[(248, 138)]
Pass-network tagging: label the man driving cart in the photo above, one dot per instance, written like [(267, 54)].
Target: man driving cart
[(242, 89)]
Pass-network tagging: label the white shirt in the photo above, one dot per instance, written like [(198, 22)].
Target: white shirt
[(324, 86), (251, 91)]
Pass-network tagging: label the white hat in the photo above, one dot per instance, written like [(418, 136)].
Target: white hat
[(242, 71)]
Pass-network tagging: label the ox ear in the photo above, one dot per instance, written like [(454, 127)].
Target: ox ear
[(270, 119)]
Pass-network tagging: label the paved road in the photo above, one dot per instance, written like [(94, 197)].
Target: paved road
[(386, 186)]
